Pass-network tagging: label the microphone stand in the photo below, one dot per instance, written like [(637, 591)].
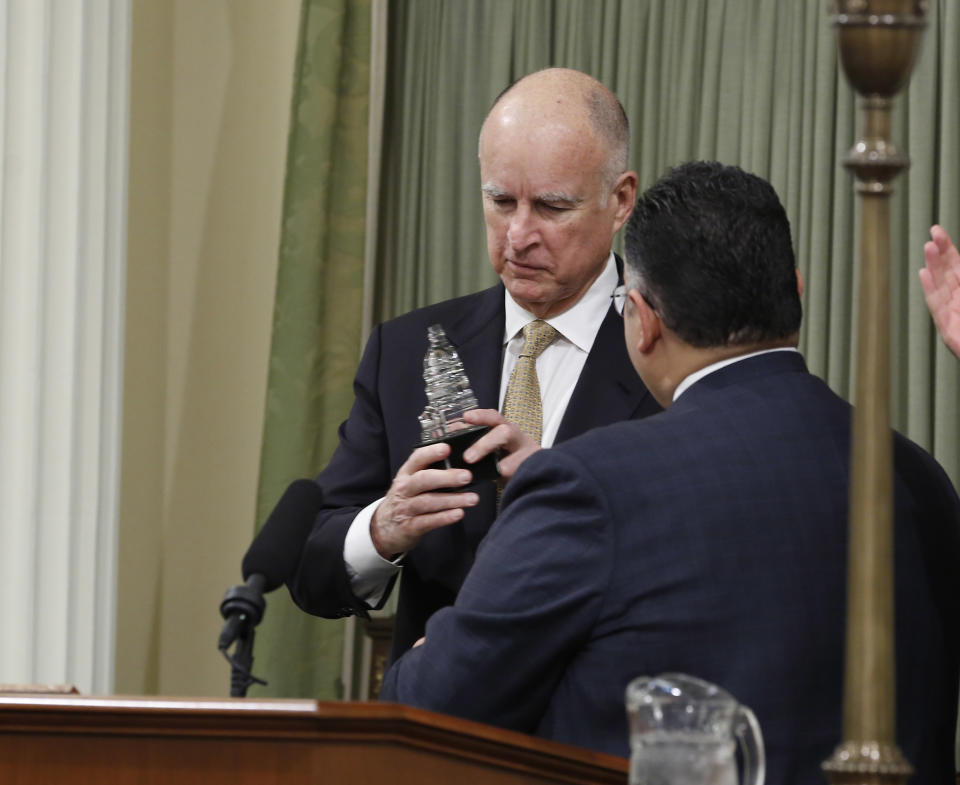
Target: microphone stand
[(242, 607)]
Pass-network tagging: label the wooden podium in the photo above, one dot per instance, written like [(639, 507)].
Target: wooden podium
[(74, 740)]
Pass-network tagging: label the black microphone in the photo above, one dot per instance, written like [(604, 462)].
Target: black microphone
[(275, 551), (271, 558)]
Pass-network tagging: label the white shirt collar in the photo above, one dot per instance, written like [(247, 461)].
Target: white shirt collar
[(580, 323), (696, 376)]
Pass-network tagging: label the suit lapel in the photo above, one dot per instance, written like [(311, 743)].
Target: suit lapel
[(477, 334)]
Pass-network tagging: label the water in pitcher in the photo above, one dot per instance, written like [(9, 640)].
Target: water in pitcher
[(692, 761)]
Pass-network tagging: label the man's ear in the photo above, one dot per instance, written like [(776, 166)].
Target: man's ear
[(799, 282), (625, 192), (649, 322)]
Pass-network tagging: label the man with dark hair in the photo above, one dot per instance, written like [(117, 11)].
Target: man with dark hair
[(556, 188), (709, 539), (732, 280)]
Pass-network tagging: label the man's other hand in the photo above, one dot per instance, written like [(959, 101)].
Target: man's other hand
[(504, 436), (415, 505), (941, 286)]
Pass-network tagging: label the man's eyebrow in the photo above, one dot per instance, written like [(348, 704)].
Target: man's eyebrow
[(554, 197), (549, 197), (493, 191)]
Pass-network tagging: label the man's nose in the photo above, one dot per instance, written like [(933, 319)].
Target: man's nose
[(522, 231)]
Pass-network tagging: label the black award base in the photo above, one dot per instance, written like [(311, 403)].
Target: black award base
[(484, 470)]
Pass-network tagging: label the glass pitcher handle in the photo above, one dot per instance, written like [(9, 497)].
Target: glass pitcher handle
[(751, 747)]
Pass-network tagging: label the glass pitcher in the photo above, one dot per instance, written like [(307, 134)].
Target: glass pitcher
[(682, 732)]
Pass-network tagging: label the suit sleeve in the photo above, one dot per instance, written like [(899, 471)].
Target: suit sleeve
[(527, 606), (358, 473)]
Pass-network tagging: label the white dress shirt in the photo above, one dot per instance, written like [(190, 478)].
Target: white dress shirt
[(558, 369)]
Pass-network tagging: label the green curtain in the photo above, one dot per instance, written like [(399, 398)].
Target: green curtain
[(748, 82), (316, 329)]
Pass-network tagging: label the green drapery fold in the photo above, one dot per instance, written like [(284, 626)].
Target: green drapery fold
[(316, 330), (748, 82)]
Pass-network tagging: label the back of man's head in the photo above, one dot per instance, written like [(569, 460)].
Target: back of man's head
[(709, 247)]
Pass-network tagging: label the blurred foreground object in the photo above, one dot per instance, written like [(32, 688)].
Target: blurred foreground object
[(878, 42)]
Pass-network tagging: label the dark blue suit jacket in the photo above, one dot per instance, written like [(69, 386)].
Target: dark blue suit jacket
[(382, 430), (710, 539)]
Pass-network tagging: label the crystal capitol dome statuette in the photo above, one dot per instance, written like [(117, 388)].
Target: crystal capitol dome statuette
[(448, 397)]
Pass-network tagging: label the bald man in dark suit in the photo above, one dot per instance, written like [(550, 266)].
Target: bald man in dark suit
[(556, 189)]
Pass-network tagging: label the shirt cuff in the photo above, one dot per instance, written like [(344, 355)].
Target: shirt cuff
[(369, 572)]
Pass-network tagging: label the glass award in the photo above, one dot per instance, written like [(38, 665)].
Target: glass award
[(448, 397)]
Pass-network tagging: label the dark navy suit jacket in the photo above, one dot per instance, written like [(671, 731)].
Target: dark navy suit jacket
[(710, 539), (383, 429)]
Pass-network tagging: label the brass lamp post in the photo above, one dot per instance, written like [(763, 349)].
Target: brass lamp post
[(878, 42)]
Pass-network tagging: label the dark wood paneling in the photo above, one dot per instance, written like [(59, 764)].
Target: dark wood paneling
[(76, 740)]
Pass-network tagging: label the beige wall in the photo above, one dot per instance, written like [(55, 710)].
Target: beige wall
[(210, 97)]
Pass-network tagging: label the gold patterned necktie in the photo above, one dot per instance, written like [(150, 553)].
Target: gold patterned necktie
[(522, 404)]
